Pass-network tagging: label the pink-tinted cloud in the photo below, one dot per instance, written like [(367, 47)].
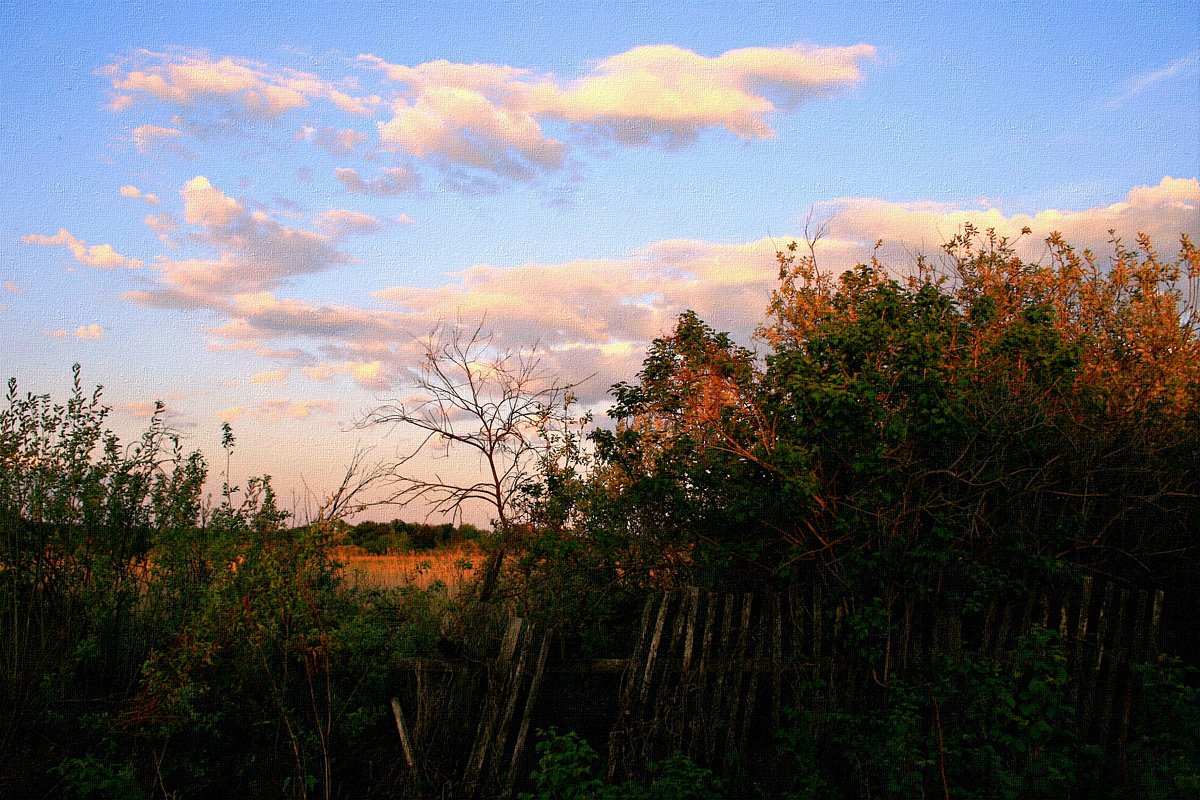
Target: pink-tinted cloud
[(389, 181), (146, 136), (253, 251), (270, 376), (596, 316), (101, 256), (341, 221), (1162, 211), (494, 120), (187, 79), (138, 194), (339, 142), (164, 224), (92, 332), (491, 117), (668, 94), (204, 204), (271, 411), (368, 374)]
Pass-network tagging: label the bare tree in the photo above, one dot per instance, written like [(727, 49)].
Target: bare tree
[(475, 399)]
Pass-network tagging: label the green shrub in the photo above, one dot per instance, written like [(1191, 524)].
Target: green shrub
[(565, 771)]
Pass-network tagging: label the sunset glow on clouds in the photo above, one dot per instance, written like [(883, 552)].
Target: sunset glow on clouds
[(275, 206)]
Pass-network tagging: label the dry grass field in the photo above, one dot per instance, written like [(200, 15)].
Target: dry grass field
[(452, 566)]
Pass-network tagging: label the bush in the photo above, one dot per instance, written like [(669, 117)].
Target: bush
[(565, 772)]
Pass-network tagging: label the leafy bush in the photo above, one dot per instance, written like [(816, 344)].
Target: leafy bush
[(565, 772), (970, 727), (154, 643), (982, 429), (1164, 758)]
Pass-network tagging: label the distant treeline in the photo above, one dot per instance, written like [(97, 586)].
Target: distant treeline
[(380, 538)]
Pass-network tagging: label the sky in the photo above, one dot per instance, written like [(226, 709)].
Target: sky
[(255, 211)]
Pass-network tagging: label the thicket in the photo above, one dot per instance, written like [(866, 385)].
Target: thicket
[(967, 428), (155, 644), (399, 536), (984, 423), (976, 426)]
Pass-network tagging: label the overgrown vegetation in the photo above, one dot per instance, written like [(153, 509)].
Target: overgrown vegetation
[(987, 426), (983, 426), (380, 538), (157, 645)]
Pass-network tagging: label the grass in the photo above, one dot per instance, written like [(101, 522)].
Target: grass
[(453, 567)]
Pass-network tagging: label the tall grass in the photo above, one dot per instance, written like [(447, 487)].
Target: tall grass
[(452, 567)]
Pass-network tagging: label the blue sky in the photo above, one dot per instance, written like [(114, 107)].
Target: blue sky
[(249, 209)]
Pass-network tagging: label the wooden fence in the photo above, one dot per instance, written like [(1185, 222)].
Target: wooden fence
[(709, 675)]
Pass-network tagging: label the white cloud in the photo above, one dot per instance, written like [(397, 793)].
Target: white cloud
[(338, 220), (1187, 66), (101, 256)]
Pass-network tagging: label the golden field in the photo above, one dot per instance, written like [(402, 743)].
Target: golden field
[(452, 566)]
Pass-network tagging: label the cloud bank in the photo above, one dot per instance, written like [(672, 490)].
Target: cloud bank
[(503, 121), (588, 316)]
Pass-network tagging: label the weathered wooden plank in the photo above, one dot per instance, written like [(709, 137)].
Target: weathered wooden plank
[(531, 699), (701, 661), (514, 685), (776, 615), (652, 653), (1117, 662), (738, 699), (689, 644), (498, 684), (405, 743), (748, 703)]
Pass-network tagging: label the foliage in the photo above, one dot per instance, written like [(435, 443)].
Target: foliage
[(79, 516), (566, 765), (971, 727), (379, 538), (1164, 758), (981, 429), (157, 644)]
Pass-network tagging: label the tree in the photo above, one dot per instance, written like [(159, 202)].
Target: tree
[(476, 398), (1000, 416)]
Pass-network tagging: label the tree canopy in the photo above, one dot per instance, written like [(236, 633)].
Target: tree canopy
[(981, 420)]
